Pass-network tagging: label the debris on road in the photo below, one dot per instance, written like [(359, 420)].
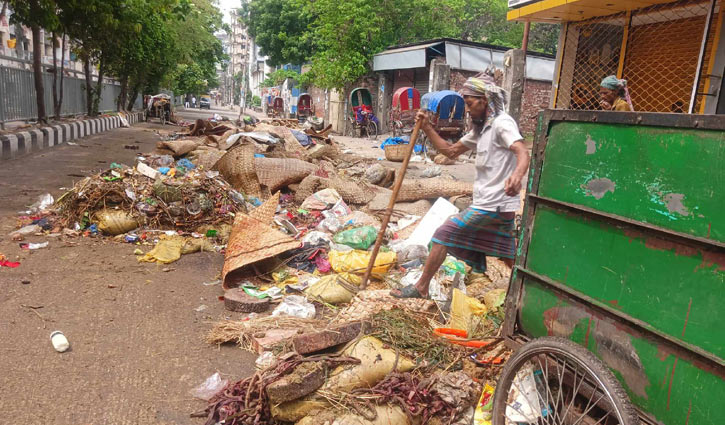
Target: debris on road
[(295, 217)]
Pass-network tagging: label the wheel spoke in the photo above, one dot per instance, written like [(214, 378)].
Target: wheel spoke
[(545, 379)]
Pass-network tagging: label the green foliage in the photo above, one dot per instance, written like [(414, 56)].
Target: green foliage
[(281, 29), (339, 39), (277, 77), (256, 101)]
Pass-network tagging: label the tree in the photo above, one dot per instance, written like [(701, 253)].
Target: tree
[(36, 14), (281, 29)]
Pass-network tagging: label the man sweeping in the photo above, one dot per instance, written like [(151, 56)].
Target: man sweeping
[(486, 228)]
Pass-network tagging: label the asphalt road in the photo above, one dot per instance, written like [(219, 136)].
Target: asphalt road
[(136, 331)]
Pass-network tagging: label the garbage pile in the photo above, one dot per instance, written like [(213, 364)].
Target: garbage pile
[(296, 220)]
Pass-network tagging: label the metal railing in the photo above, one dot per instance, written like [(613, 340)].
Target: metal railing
[(18, 99)]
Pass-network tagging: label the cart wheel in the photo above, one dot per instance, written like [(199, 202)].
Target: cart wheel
[(552, 380), (372, 130)]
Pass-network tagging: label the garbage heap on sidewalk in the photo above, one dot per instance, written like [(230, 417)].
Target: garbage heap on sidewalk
[(296, 219)]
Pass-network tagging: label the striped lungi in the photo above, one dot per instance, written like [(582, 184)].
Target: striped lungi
[(473, 234)]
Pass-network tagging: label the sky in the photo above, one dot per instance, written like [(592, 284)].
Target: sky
[(226, 5)]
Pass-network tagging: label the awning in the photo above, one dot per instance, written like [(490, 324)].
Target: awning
[(402, 58)]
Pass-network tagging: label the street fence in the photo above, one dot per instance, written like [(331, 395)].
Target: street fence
[(663, 51), (18, 100)]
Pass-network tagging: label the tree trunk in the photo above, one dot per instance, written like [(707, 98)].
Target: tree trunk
[(62, 71), (121, 101), (56, 109), (134, 95), (38, 74), (99, 86), (89, 85)]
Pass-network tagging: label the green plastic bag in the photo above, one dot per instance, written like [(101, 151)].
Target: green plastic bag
[(452, 266), (358, 238)]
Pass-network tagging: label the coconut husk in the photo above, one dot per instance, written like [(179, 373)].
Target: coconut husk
[(251, 241), (238, 168)]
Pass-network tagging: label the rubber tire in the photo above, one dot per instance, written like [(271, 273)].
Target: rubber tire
[(372, 130), (581, 354)]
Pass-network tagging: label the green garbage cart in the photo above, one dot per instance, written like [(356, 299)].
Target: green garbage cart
[(616, 306)]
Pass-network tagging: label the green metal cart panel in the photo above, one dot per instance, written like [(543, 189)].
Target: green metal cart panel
[(623, 251)]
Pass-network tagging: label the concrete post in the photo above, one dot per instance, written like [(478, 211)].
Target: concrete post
[(514, 77), (385, 86), (440, 75)]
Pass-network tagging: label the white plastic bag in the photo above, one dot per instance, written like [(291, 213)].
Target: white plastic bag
[(296, 306), (207, 389), (525, 407)]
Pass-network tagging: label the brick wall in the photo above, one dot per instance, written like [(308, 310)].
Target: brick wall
[(537, 95), (536, 98), (318, 100)]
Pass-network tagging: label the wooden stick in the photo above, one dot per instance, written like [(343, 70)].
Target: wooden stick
[(399, 176)]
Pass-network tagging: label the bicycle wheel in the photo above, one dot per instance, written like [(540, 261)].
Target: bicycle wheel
[(553, 381), (372, 129)]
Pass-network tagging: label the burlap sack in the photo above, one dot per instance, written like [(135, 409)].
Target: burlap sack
[(179, 147)]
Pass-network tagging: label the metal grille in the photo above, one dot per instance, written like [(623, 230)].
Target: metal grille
[(658, 50)]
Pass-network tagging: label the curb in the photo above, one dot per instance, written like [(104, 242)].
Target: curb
[(22, 143)]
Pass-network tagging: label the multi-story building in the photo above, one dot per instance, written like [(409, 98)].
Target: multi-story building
[(238, 68), (16, 48), (258, 69)]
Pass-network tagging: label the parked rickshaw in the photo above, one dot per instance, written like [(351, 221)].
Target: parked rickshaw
[(158, 106), (449, 111), (304, 106), (278, 107), (406, 103), (615, 302), (362, 118)]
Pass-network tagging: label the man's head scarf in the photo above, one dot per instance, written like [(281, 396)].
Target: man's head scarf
[(620, 86), (483, 85)]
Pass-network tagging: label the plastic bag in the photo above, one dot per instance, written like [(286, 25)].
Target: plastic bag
[(331, 290), (466, 312), (207, 389), (484, 408), (115, 222), (321, 200), (356, 261), (340, 209), (452, 266), (316, 237), (358, 238), (43, 202), (265, 360), (296, 306), (376, 362), (525, 407), (330, 225)]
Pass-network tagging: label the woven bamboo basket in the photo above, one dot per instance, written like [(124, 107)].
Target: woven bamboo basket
[(396, 153)]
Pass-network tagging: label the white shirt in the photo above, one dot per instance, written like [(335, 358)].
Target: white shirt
[(494, 164)]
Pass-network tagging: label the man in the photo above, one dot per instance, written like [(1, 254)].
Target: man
[(487, 227), (193, 101)]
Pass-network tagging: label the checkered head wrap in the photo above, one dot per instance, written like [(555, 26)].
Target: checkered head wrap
[(483, 85)]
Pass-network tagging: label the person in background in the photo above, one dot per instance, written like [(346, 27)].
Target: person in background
[(193, 101), (487, 227), (614, 95), (186, 103)]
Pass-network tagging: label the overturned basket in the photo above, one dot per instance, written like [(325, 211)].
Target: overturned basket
[(396, 153)]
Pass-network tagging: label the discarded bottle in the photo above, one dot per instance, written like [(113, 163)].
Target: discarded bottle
[(59, 341)]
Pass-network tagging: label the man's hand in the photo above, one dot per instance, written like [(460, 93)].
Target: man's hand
[(512, 187), (605, 105), (422, 115)]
